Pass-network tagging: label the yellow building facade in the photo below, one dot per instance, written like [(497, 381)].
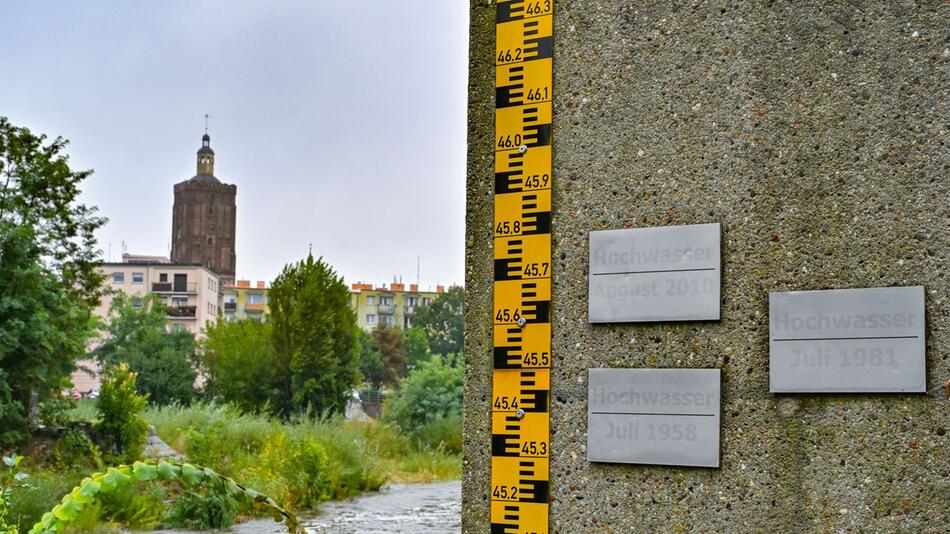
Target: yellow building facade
[(243, 300), (391, 306)]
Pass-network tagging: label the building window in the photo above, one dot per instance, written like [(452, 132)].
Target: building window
[(385, 301), (163, 277), (138, 278), (426, 301), (255, 298), (179, 301), (118, 278), (388, 319), (371, 300), (412, 301), (370, 318)]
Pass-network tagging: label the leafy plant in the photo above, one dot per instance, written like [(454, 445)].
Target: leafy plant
[(238, 362), (9, 478), (75, 448), (389, 343), (203, 510), (133, 507), (50, 280), (120, 407), (87, 492), (371, 362), (432, 391), (442, 321), (417, 346), (139, 336), (313, 331)]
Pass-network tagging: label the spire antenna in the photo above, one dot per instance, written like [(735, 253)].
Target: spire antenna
[(207, 116)]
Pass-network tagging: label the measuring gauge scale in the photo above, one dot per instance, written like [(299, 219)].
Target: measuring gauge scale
[(521, 226)]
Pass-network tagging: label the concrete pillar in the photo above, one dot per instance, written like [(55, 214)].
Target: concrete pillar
[(816, 134)]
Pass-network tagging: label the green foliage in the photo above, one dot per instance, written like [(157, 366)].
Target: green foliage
[(442, 322), (49, 281), (432, 391), (43, 491), (55, 410), (120, 407), (371, 362), (417, 347), (139, 336), (388, 342), (203, 509), (282, 458), (135, 507), (238, 362), (301, 462), (83, 411), (75, 448), (443, 433), (8, 479), (115, 478), (314, 337)]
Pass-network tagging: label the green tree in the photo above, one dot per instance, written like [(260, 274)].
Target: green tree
[(442, 321), (314, 336), (417, 346), (371, 362), (49, 281), (138, 334), (388, 342), (238, 362), (120, 411), (431, 392)]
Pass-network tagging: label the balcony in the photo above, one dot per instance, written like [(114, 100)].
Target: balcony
[(251, 307), (181, 312), (169, 287), (386, 310), (230, 307)]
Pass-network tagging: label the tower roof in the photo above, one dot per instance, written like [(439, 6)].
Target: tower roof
[(205, 162)]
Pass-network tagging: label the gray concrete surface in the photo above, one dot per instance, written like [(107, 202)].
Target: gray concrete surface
[(816, 133)]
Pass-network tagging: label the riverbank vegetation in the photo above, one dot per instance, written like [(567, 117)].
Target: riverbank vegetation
[(274, 403)]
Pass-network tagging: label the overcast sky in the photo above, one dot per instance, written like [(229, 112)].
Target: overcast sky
[(342, 122)]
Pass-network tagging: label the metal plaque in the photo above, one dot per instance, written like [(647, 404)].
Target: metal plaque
[(653, 416), (847, 340), (654, 274)]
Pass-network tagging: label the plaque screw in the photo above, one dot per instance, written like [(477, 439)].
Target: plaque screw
[(523, 148), (522, 321), (520, 413)]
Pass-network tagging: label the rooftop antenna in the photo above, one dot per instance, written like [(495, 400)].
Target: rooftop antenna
[(418, 267), (310, 250), (207, 116)]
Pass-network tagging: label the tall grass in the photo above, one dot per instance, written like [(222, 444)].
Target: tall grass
[(311, 457)]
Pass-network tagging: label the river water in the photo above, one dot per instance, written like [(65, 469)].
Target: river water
[(398, 508)]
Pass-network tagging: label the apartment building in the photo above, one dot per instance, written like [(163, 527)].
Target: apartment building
[(191, 293), (242, 300), (392, 306)]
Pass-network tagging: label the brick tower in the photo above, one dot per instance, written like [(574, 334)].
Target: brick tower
[(204, 217)]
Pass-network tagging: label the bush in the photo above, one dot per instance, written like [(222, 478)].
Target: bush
[(444, 433), (136, 506), (75, 449), (238, 362), (203, 510), (139, 335), (300, 463), (431, 392), (122, 427)]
